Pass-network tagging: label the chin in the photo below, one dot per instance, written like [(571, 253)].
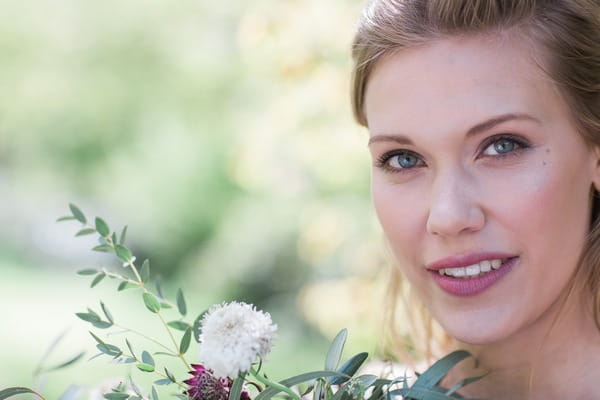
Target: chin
[(475, 331)]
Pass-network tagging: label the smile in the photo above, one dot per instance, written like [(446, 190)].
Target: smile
[(473, 270), (472, 274)]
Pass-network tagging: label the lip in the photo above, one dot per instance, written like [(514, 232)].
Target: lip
[(464, 287), (466, 260)]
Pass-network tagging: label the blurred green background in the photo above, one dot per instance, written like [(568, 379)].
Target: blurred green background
[(221, 133)]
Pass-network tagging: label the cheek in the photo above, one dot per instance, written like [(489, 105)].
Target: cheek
[(401, 216)]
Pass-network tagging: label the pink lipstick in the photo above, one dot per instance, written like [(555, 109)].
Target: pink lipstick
[(471, 274)]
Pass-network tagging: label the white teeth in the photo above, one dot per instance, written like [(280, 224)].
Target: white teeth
[(486, 265), (472, 270)]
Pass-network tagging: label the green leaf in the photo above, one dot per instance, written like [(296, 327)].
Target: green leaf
[(185, 341), (145, 367), (107, 313), (464, 382), (102, 227), (130, 347), (439, 369), (145, 271), (105, 248), (335, 350), (236, 388), (165, 305), (197, 327), (98, 279), (163, 382), (154, 394), (102, 324), (85, 231), (349, 368), (295, 380), (123, 235), (65, 364), (181, 303), (88, 317), (77, 214), (13, 391), (87, 272), (126, 285), (147, 358), (97, 339), (159, 288), (115, 396), (170, 375), (123, 253), (109, 349), (151, 302), (179, 325), (65, 218)]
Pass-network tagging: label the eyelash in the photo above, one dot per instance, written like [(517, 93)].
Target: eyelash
[(521, 144)]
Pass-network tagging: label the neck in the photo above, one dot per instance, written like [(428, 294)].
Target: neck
[(553, 357)]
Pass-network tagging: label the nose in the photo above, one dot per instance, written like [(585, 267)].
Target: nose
[(455, 207)]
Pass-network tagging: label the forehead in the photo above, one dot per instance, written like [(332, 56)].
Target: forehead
[(454, 82)]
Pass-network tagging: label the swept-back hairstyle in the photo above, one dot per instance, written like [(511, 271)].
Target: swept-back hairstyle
[(565, 33)]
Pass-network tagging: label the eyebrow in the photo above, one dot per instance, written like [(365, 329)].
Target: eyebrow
[(474, 130)]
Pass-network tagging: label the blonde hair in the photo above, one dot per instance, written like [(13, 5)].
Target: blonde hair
[(567, 32)]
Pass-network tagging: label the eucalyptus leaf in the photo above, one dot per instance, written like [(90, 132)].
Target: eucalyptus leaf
[(439, 369), (147, 358), (151, 302), (163, 382), (170, 375), (98, 279), (295, 380), (85, 231), (87, 272), (105, 248), (115, 396), (154, 393), (109, 349), (335, 350), (145, 367), (107, 313), (179, 325), (185, 341), (145, 271), (123, 253), (102, 324), (102, 227), (197, 327), (77, 214), (126, 285), (88, 317), (181, 306), (66, 218), (464, 382), (96, 338), (130, 347), (123, 235), (349, 368), (419, 393), (13, 391)]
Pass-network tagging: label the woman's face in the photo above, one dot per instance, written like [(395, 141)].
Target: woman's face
[(480, 181)]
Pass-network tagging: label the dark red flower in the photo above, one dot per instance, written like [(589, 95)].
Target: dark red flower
[(205, 386)]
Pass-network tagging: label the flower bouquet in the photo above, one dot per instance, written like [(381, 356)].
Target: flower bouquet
[(234, 340)]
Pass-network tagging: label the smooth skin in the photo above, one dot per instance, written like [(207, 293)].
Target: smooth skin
[(474, 150)]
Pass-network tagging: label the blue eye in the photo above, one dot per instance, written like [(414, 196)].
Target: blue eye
[(502, 146), (397, 161)]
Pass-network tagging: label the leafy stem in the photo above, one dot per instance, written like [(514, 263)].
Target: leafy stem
[(274, 385), (181, 356)]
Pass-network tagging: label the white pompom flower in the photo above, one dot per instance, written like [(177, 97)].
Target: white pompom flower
[(233, 337)]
